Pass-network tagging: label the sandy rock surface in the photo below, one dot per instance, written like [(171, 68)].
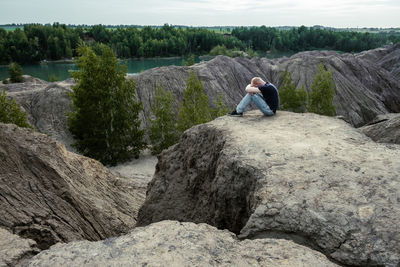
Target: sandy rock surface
[(310, 178), (15, 251), (171, 243)]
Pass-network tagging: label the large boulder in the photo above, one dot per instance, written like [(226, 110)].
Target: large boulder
[(15, 251), (51, 195), (309, 178), (384, 128), (171, 243)]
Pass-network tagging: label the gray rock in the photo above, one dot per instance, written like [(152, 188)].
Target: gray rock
[(384, 129), (51, 195), (46, 105), (171, 243), (364, 88), (311, 178), (14, 251)]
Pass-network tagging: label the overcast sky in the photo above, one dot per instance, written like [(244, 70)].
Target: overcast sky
[(337, 13)]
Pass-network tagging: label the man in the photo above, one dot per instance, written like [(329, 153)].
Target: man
[(263, 94)]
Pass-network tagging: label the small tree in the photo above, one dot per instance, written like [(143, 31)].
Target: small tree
[(105, 119), (10, 111), (163, 132), (189, 62), (322, 93), (220, 108), (195, 107), (291, 99), (15, 72)]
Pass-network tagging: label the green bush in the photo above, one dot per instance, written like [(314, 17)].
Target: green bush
[(290, 98), (188, 62), (163, 132), (10, 111), (322, 93), (195, 108), (15, 72), (105, 118)]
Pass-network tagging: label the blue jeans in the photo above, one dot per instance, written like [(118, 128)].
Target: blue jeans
[(258, 100)]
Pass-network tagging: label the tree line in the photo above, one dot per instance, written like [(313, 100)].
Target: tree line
[(309, 38), (37, 42)]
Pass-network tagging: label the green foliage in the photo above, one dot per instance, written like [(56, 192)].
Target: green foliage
[(220, 50), (10, 111), (195, 107), (291, 99), (220, 108), (105, 119), (163, 132), (322, 93), (223, 50), (189, 62), (35, 42), (15, 72)]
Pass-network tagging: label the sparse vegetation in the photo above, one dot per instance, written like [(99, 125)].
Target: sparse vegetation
[(10, 111), (163, 130), (15, 71), (195, 108), (290, 98), (322, 93)]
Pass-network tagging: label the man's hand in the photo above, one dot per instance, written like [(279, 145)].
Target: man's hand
[(252, 90)]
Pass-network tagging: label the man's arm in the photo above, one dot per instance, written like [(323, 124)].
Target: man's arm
[(252, 90)]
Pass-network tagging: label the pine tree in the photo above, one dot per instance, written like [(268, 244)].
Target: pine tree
[(195, 107), (291, 99), (189, 62), (220, 108), (105, 119), (322, 93), (163, 132), (10, 111), (15, 72)]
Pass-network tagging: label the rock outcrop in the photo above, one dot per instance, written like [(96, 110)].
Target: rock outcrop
[(46, 104), (171, 243), (366, 85), (384, 129), (15, 251), (51, 195), (309, 178)]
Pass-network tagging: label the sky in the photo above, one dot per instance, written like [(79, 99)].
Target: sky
[(337, 13)]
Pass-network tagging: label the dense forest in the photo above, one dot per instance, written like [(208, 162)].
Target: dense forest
[(37, 42)]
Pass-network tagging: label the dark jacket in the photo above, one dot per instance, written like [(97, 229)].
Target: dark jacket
[(270, 95)]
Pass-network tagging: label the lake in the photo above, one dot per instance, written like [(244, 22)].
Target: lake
[(62, 70)]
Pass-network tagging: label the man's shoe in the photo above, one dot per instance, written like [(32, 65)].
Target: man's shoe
[(235, 114)]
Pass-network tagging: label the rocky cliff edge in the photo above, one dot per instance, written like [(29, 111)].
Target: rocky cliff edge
[(312, 179)]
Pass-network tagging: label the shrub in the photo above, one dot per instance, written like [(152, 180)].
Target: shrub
[(195, 107), (163, 132), (291, 99), (10, 111), (15, 72), (322, 93)]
